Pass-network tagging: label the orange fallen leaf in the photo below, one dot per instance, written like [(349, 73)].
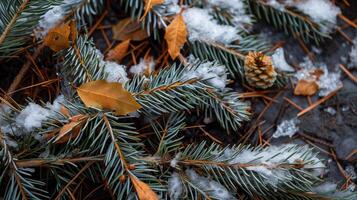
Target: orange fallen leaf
[(104, 95), (143, 190), (119, 51), (74, 32), (306, 88), (175, 36), (149, 4), (127, 29), (70, 130), (58, 37), (317, 73), (65, 111)]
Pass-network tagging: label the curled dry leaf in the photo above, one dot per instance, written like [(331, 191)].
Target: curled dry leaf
[(104, 95), (143, 190), (74, 32), (119, 51), (65, 111), (71, 130), (58, 37), (128, 29), (306, 88), (317, 73), (149, 4), (175, 36)]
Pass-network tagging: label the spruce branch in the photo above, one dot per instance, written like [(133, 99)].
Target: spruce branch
[(291, 171), (83, 62), (18, 19), (232, 56), (290, 21)]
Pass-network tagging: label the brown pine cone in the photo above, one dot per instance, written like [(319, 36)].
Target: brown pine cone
[(259, 70)]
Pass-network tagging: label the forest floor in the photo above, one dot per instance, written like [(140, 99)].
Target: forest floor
[(333, 134)]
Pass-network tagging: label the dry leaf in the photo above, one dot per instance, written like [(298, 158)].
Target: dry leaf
[(143, 190), (127, 29), (119, 51), (58, 37), (317, 73), (65, 111), (175, 36), (306, 88), (149, 4), (104, 95), (74, 32), (70, 130)]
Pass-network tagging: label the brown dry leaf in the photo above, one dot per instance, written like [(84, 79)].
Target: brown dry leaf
[(143, 190), (74, 32), (127, 29), (65, 111), (70, 130), (58, 37), (104, 95), (317, 73), (149, 4), (119, 51), (306, 88), (175, 36)]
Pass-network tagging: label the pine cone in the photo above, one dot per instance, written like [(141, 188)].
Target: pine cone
[(259, 70)]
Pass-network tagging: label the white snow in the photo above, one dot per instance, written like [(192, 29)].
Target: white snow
[(287, 128), (320, 11), (353, 55), (33, 115), (202, 26), (325, 188), (327, 82), (171, 7), (49, 20), (174, 161), (143, 66), (115, 72), (280, 62), (236, 8), (175, 186), (331, 189), (214, 74), (53, 17), (208, 120), (267, 161), (212, 188), (330, 110)]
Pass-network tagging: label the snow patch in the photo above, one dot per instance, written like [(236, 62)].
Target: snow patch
[(330, 110), (236, 7), (32, 116), (353, 55), (327, 82), (266, 161), (280, 62), (202, 26), (115, 72), (49, 20), (331, 190), (287, 128), (175, 186), (212, 188), (320, 11), (214, 74), (142, 67), (174, 161)]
